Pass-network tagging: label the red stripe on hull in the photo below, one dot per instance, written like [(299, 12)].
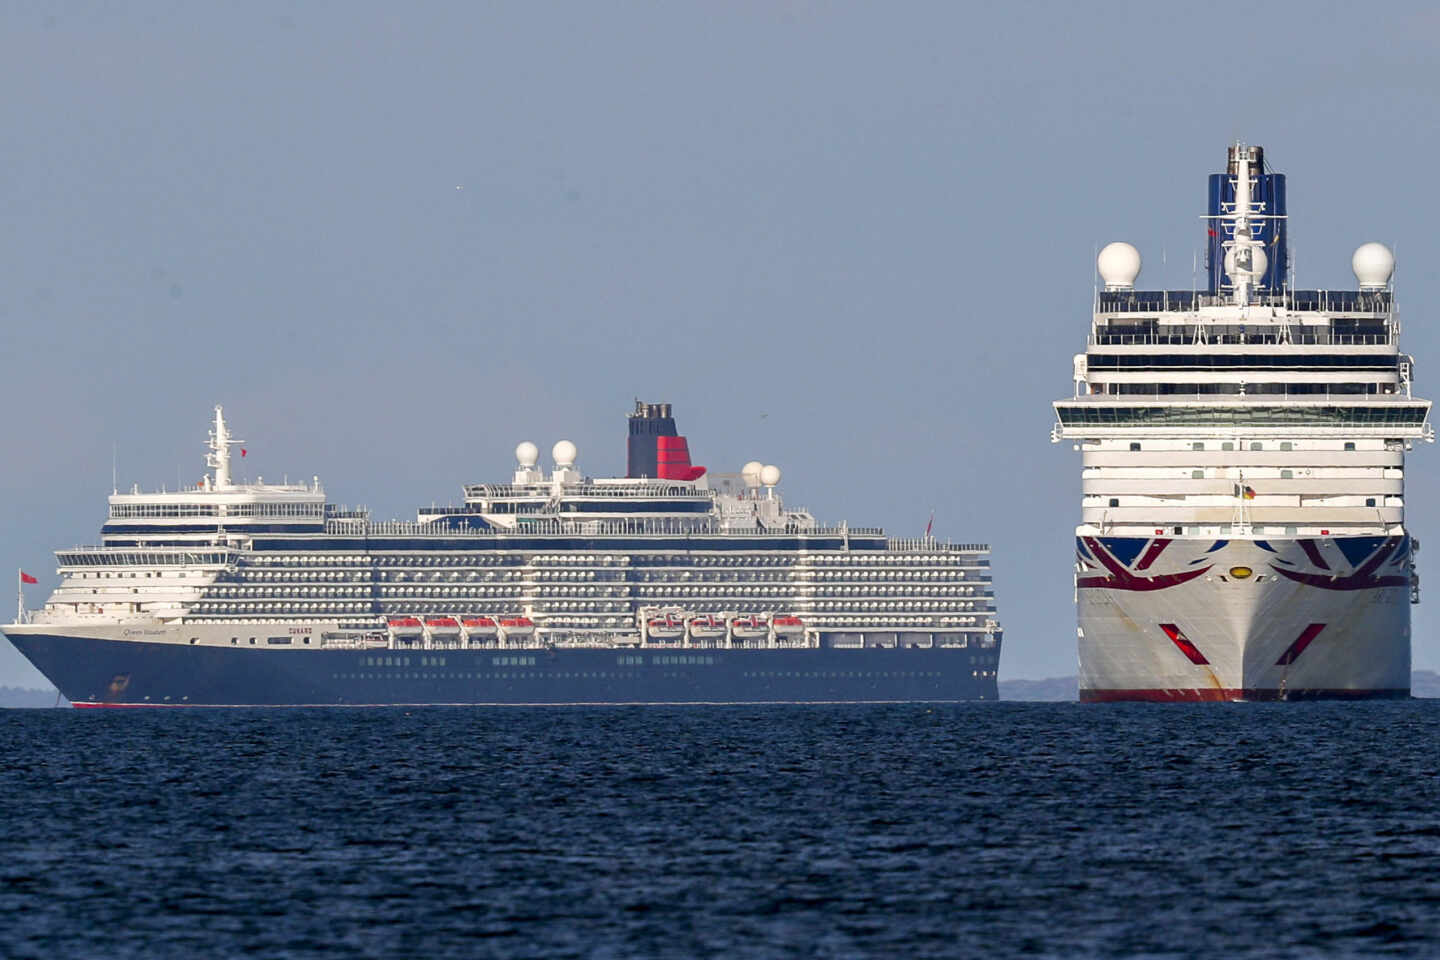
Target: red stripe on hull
[(1221, 694), (1293, 651)]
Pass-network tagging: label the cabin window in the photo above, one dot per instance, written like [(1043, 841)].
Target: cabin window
[(1197, 445), (1350, 445), (1286, 445), (1179, 531), (1369, 501), (1287, 474), (1227, 445), (1134, 446), (1257, 446), (1114, 501), (1197, 474)]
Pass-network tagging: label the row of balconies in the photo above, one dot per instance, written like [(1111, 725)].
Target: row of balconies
[(1186, 470), (1180, 514), (892, 590), (1202, 487), (847, 576), (225, 590), (865, 558), (1277, 459), (454, 576), (925, 604), (710, 576), (699, 590), (302, 576)]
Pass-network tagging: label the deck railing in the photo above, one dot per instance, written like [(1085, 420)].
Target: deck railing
[(1368, 302), (1294, 338), (557, 527)]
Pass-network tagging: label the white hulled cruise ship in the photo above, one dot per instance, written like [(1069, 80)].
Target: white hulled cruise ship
[(670, 584), (1243, 514)]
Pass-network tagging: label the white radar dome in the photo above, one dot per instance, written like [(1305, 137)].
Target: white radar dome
[(564, 453), (770, 475), (1258, 263), (527, 453), (1119, 265), (1373, 264), (751, 473)]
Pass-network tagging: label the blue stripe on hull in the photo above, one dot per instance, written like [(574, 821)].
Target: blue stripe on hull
[(124, 672)]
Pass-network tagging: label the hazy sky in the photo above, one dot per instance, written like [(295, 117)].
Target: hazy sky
[(852, 239)]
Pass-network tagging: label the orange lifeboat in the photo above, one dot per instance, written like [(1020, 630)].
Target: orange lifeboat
[(518, 626), (406, 626), (707, 628), (750, 627), (443, 626), (665, 628), (480, 626), (789, 627)]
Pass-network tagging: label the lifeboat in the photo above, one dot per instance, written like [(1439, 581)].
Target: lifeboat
[(790, 628), (518, 627), (750, 627), (665, 628), (443, 626), (480, 627), (406, 626), (707, 628)]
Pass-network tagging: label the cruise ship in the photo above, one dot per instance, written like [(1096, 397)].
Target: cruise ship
[(1243, 444), (671, 584)]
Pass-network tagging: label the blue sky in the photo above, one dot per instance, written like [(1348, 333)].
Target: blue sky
[(852, 239)]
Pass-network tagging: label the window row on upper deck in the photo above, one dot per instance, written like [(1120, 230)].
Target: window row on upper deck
[(1300, 301), (126, 511), (1243, 389), (1243, 415), (1222, 361), (1266, 332), (100, 558)]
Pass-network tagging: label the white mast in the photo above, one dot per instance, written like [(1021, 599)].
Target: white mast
[(219, 456), (1245, 259)]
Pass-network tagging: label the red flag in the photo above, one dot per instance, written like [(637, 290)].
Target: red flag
[(26, 578), (931, 524)]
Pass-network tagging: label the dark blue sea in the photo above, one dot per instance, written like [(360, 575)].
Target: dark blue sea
[(1066, 830)]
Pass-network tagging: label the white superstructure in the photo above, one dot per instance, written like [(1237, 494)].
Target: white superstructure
[(1243, 490), (553, 557)]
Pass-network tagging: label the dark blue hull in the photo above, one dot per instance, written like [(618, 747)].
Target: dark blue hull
[(94, 672)]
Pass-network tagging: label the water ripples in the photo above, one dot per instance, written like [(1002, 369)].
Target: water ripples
[(805, 831)]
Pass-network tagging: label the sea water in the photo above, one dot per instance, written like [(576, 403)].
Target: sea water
[(779, 831)]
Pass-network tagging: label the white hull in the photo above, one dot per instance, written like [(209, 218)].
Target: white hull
[(1316, 617)]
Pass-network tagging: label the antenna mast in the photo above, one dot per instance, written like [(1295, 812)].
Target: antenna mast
[(1242, 243), (220, 443)]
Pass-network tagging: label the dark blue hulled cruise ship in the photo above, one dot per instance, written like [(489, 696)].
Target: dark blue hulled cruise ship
[(669, 585)]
